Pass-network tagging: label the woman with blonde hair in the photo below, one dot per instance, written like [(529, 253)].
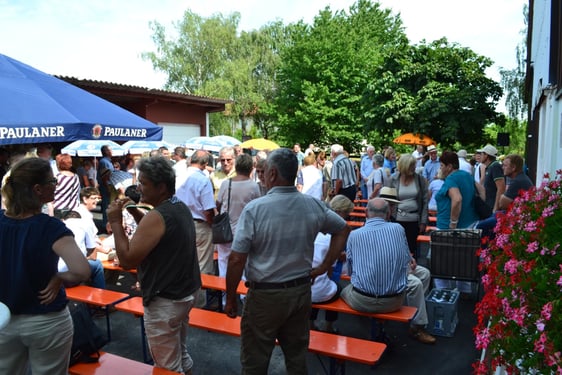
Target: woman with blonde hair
[(411, 189), (39, 334)]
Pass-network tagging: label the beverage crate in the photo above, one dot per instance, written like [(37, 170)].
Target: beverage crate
[(442, 312)]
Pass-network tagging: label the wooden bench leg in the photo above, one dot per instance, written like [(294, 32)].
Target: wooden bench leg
[(378, 333), (337, 366), (144, 343)]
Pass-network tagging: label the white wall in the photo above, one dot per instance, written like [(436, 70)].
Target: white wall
[(177, 134), (549, 155)]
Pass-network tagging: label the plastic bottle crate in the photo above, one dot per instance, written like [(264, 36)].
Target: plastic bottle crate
[(442, 312)]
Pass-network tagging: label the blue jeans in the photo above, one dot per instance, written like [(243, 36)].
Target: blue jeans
[(97, 275), (488, 225)]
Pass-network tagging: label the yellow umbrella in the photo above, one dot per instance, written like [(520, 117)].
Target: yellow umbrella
[(414, 139), (260, 144)]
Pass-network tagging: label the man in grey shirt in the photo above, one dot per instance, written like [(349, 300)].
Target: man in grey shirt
[(274, 242)]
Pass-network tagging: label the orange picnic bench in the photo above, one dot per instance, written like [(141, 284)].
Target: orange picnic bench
[(339, 348), (404, 315), (111, 364)]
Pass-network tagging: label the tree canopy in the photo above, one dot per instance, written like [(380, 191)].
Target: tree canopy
[(347, 77), (439, 89)]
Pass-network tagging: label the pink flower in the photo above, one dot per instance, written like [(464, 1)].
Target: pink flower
[(540, 325), (546, 311), (520, 312), (532, 247), (540, 343)]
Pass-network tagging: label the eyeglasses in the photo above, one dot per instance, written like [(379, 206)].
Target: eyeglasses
[(95, 198), (223, 160), (52, 181)]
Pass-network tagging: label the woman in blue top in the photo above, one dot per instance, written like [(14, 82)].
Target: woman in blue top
[(455, 208), (39, 334)]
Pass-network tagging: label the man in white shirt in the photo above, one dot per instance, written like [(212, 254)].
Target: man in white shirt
[(180, 167), (463, 164), (418, 155), (197, 193)]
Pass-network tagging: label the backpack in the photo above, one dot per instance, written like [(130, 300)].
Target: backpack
[(88, 338)]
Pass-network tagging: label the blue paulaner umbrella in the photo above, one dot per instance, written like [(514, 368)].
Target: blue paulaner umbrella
[(226, 140), (88, 148), (139, 147), (36, 107), (204, 143)]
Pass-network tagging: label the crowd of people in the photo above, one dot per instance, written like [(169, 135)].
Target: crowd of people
[(287, 260)]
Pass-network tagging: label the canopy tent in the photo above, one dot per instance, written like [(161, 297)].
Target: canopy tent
[(87, 148), (226, 140), (36, 107), (204, 143), (139, 147)]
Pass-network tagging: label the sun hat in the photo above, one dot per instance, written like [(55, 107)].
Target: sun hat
[(431, 148), (389, 194), (462, 154), (489, 150)]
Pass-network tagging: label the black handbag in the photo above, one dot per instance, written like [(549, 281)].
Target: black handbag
[(88, 338), (222, 233)]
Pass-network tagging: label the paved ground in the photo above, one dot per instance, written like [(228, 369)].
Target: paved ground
[(219, 354)]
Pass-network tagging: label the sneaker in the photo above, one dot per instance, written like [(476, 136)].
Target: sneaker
[(421, 335)]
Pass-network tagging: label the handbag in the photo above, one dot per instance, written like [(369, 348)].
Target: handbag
[(222, 233), (88, 338), (480, 206)]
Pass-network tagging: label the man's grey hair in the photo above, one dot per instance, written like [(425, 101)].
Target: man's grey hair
[(377, 207), (286, 163), (370, 148), (378, 159), (200, 157), (337, 149), (158, 170), (227, 150), (261, 155)]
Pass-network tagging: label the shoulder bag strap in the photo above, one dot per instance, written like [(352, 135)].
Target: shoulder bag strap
[(229, 187)]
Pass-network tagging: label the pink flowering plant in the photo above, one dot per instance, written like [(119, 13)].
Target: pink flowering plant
[(520, 315)]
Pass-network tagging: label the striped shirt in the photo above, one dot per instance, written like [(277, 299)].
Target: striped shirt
[(378, 257), (67, 192), (344, 169)]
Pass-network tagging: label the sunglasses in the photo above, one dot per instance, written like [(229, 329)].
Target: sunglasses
[(223, 160), (52, 181)]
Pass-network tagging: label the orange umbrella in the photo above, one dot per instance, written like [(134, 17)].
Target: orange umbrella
[(414, 139)]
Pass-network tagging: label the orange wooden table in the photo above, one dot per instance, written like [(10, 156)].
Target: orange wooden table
[(111, 266), (97, 297)]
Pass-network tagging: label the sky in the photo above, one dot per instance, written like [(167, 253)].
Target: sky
[(103, 39)]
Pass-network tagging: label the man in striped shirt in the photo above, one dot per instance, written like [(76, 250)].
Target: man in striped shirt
[(383, 271), (344, 174)]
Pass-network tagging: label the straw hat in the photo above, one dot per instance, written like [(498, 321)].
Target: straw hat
[(389, 194)]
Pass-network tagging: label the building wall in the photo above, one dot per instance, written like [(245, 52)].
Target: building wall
[(546, 98)]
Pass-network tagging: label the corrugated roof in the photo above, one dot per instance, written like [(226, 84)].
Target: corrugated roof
[(141, 91)]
